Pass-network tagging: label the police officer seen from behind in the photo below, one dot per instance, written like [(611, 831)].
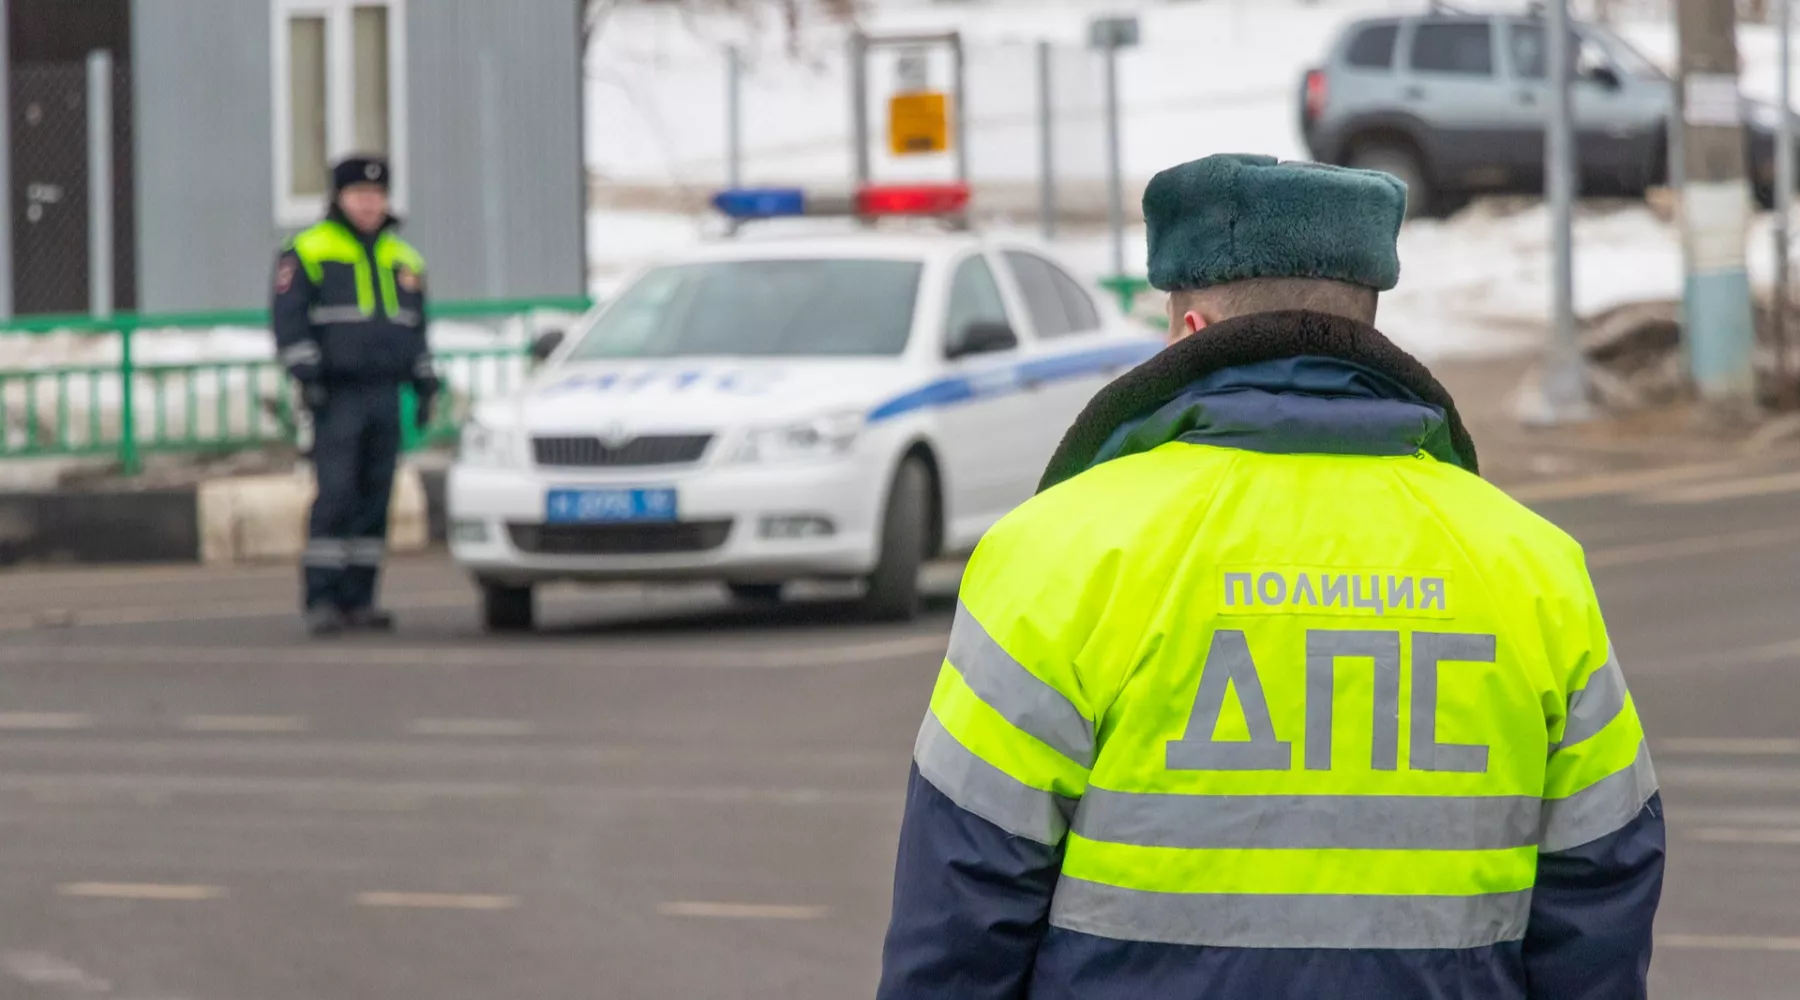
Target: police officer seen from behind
[(1267, 695), (349, 321)]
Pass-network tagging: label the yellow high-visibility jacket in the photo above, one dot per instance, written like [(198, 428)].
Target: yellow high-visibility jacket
[(1269, 695)]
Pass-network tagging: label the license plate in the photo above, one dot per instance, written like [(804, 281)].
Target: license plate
[(591, 506)]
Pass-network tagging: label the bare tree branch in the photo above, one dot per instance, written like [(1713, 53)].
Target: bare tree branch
[(794, 15)]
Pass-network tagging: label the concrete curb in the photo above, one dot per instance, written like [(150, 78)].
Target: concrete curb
[(125, 526), (221, 522)]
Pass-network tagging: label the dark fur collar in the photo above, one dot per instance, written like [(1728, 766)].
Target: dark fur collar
[(1242, 341)]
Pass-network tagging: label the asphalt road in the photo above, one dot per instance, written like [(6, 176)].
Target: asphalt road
[(661, 796)]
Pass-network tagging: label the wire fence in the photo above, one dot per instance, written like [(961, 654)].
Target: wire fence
[(53, 255), (1034, 112)]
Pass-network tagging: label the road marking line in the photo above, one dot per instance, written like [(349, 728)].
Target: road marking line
[(1682, 548), (222, 611), (471, 727), (1740, 835), (1716, 777), (41, 968), (1729, 746), (141, 890), (740, 911), (1728, 942), (862, 652), (242, 724), (430, 657), (45, 721), (1727, 489), (1619, 482), (437, 900)]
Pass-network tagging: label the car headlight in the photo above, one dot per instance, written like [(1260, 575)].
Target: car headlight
[(486, 445), (807, 440)]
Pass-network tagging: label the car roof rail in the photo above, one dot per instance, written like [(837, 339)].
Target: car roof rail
[(1445, 7)]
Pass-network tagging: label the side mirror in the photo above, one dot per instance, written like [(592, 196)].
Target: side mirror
[(1606, 77), (983, 337), (1595, 68), (546, 345)]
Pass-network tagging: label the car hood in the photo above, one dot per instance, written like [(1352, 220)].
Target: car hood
[(701, 394)]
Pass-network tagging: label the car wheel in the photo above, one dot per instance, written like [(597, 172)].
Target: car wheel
[(507, 609), (756, 593), (1422, 199), (893, 588)]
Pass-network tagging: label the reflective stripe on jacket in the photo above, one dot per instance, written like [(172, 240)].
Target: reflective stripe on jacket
[(1276, 698), (350, 308)]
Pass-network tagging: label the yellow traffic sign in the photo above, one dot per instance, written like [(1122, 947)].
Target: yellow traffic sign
[(918, 123)]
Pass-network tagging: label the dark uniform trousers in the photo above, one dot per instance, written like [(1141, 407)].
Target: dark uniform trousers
[(349, 327), (356, 446)]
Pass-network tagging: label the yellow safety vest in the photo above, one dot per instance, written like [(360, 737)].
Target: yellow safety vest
[(331, 242), (1253, 721)]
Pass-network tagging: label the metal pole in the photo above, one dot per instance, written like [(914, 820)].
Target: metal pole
[(1046, 145), (488, 79), (859, 103), (734, 122), (6, 235), (1715, 209), (1784, 206), (1115, 183), (960, 112), (1565, 386), (130, 462), (100, 182)]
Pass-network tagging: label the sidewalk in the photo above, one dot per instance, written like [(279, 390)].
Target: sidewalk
[(1513, 455)]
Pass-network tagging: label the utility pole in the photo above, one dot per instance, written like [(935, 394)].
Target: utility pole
[(1565, 384), (1715, 210), (1784, 206)]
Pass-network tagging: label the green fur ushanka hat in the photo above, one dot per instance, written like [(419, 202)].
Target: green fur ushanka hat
[(1236, 216)]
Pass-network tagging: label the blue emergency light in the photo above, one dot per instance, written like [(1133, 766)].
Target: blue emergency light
[(868, 202), (760, 203)]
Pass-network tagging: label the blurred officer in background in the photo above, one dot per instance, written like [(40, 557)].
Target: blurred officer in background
[(349, 320), (1266, 695)]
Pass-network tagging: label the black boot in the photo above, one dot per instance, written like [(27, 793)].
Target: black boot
[(371, 619), (325, 620)]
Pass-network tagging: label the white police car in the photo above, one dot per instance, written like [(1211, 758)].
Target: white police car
[(771, 410)]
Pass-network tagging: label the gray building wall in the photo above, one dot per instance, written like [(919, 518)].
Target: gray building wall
[(534, 53), (205, 187), (206, 225)]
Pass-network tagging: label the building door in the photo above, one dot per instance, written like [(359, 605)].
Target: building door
[(49, 42)]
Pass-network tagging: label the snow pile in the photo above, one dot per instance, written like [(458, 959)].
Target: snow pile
[(1208, 77)]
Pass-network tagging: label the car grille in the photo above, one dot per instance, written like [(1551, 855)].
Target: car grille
[(591, 452), (618, 539)]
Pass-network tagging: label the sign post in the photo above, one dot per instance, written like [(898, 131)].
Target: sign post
[(923, 120), (1109, 35)]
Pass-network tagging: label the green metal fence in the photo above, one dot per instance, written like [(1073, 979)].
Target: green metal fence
[(125, 409)]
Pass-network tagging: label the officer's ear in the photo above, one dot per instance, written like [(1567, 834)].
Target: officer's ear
[(1185, 318)]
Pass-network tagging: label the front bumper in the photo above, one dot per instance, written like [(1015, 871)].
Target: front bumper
[(498, 530)]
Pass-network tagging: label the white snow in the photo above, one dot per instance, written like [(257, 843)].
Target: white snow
[(1208, 77), (1211, 76)]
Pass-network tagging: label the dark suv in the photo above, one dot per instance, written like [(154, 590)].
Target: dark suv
[(1455, 104)]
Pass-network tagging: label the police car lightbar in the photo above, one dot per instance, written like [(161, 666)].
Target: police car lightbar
[(744, 204), (912, 199)]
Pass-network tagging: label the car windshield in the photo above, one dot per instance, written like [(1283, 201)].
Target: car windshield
[(1630, 61), (759, 308)]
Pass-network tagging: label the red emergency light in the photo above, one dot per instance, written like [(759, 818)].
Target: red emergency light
[(912, 199)]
